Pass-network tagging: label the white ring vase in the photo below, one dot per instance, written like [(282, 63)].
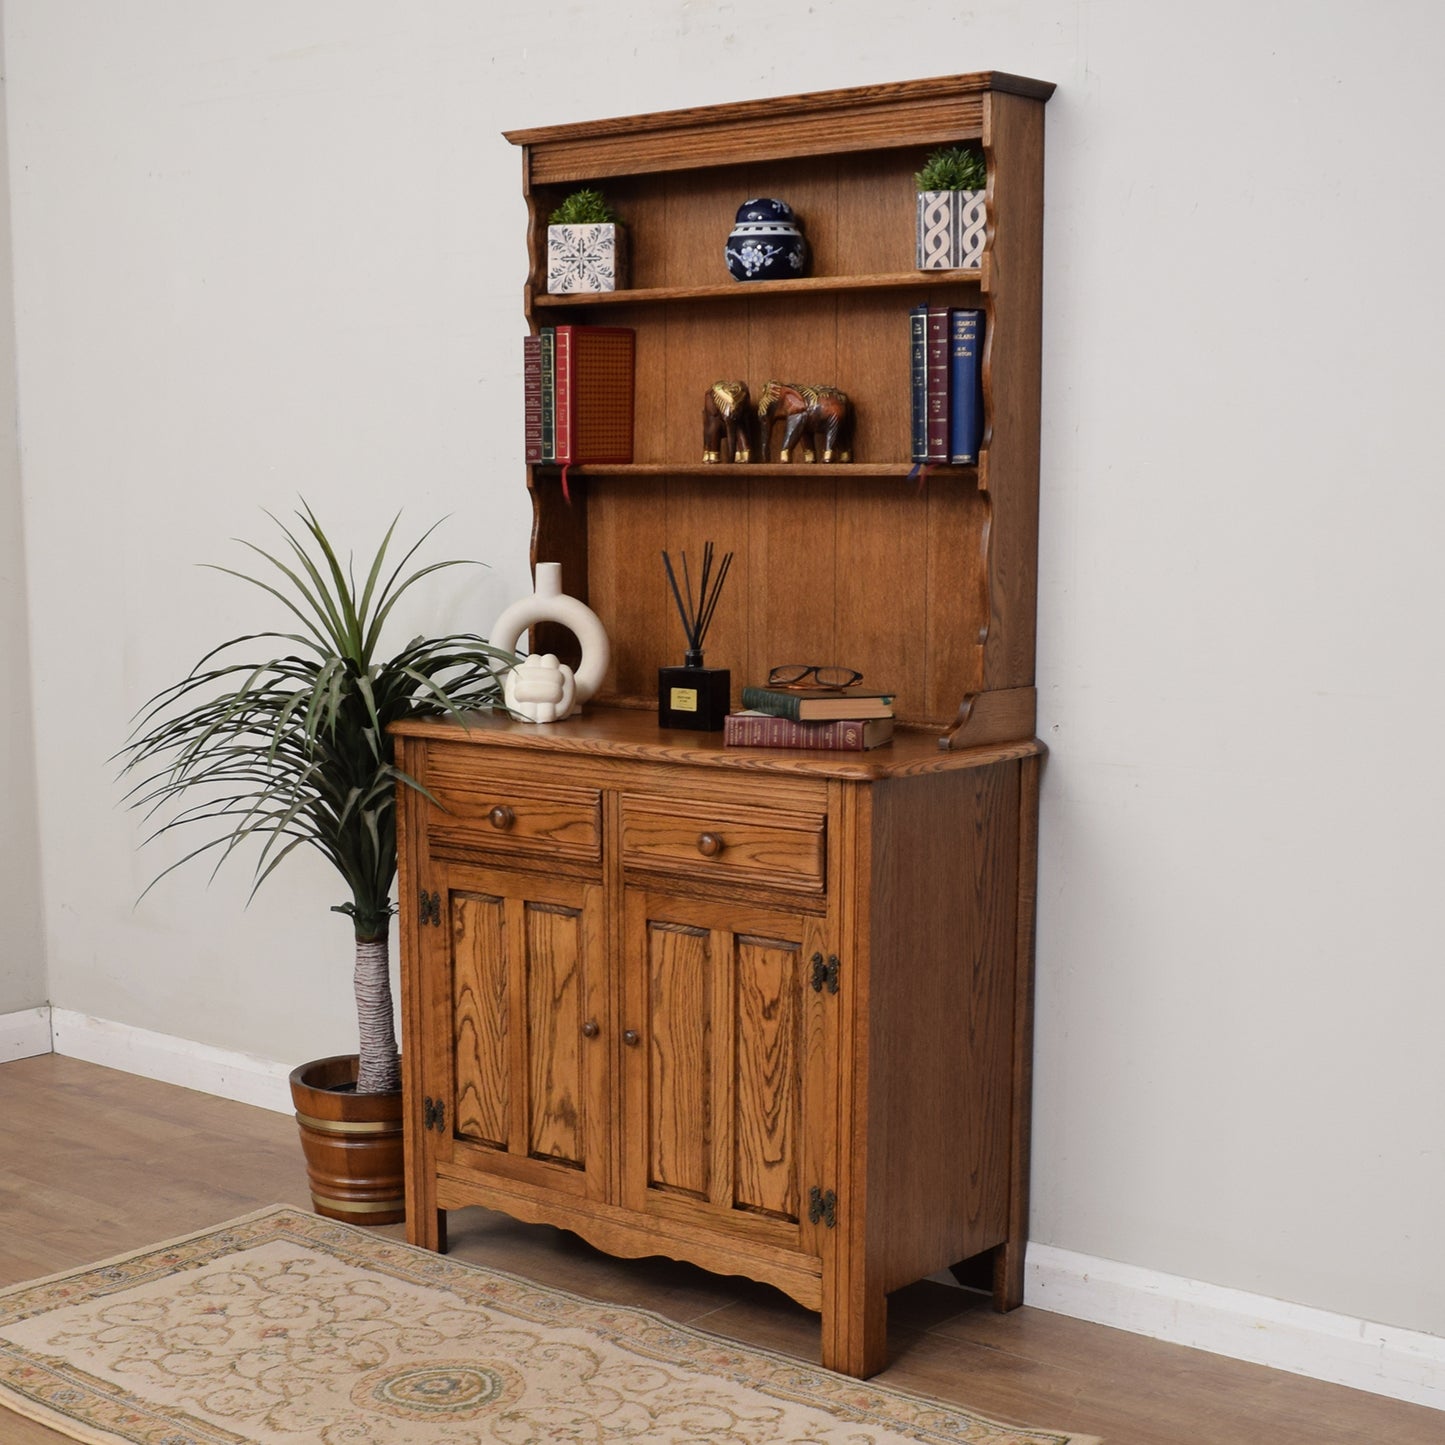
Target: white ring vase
[(548, 603)]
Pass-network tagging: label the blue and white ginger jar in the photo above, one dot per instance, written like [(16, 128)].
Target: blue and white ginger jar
[(765, 243)]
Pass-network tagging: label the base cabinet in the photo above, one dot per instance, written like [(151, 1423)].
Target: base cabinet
[(773, 1021)]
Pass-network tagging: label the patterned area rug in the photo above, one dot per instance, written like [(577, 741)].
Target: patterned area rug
[(283, 1328)]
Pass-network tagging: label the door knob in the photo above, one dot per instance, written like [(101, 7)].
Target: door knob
[(501, 817), (709, 844), (631, 1038), (590, 1030)]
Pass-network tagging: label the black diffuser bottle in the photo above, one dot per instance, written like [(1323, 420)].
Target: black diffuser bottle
[(694, 696)]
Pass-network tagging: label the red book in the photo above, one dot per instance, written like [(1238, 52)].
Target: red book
[(594, 394), (939, 392), (762, 730)]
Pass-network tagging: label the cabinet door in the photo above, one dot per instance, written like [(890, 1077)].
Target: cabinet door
[(516, 970), (728, 1058)]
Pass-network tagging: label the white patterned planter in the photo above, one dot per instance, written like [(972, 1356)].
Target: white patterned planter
[(951, 227), (586, 258)]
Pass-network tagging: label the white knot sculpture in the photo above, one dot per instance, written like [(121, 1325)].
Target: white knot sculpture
[(541, 689)]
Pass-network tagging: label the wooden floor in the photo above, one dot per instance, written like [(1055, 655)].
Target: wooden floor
[(94, 1163)]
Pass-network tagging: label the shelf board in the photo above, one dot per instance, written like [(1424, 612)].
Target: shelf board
[(752, 290), (719, 470)]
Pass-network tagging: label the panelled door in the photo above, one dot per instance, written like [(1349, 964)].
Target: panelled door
[(515, 974), (729, 1045)]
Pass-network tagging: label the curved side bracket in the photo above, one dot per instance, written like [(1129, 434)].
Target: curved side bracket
[(1006, 715)]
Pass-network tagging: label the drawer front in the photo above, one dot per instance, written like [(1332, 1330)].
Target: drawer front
[(759, 846), (506, 817)]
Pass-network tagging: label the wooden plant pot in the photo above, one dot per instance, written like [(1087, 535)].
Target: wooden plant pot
[(352, 1143)]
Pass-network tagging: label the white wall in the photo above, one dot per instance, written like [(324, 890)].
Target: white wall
[(22, 956), (267, 248)]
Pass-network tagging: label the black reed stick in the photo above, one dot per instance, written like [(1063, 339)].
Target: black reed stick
[(697, 615)]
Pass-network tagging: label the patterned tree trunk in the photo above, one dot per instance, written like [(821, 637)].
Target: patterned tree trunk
[(380, 1063)]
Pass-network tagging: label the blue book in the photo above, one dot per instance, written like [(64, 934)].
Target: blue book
[(965, 418), (918, 355)]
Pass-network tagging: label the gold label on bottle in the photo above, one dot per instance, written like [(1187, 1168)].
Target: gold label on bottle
[(683, 699)]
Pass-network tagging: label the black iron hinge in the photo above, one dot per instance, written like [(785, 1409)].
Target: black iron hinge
[(434, 1114), (431, 908), (822, 1205), (825, 973)]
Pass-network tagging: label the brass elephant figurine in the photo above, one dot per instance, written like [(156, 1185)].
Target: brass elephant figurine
[(727, 416), (820, 416)]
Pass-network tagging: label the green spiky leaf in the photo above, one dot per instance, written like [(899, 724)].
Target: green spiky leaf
[(290, 745)]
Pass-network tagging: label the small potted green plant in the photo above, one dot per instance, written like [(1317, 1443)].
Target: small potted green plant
[(952, 220), (586, 245), (280, 739)]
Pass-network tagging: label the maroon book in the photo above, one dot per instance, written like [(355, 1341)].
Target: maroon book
[(939, 349), (532, 396), (762, 730)]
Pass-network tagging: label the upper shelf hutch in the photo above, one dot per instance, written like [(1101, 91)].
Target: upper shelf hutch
[(928, 588)]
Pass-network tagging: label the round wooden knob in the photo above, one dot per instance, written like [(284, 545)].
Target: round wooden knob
[(631, 1038), (709, 845), (590, 1029), (501, 817)]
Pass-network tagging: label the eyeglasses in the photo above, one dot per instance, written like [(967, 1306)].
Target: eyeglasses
[(812, 674)]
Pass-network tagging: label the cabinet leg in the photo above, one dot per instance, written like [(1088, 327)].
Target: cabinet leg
[(855, 1334), (1008, 1275), (998, 1271), (427, 1228)]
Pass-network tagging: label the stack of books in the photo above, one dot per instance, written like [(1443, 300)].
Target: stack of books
[(947, 384), (845, 719), (577, 388)]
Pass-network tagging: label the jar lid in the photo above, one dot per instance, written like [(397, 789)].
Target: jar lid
[(762, 208)]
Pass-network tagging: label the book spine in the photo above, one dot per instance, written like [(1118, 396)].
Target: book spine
[(918, 380), (532, 397), (548, 338), (776, 704), (938, 373), (965, 425), (778, 732), (563, 416)]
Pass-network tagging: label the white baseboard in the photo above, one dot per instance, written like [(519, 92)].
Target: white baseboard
[(25, 1034), (224, 1072), (1385, 1360)]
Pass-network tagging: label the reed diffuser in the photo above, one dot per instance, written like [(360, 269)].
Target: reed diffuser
[(694, 696)]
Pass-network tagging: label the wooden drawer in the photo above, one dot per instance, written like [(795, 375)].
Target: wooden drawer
[(506, 817), (724, 842)]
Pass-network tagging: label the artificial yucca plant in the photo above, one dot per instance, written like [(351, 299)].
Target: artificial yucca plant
[(291, 747)]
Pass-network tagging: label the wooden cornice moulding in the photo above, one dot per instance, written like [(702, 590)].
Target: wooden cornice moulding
[(913, 112)]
